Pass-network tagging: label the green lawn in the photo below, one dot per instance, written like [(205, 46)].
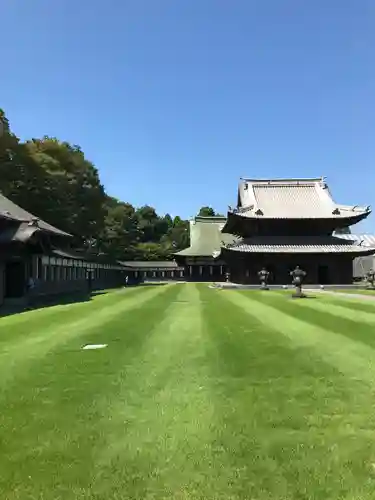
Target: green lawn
[(201, 394), (360, 291)]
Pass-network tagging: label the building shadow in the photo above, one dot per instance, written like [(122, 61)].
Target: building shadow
[(94, 293), (304, 296), (43, 302)]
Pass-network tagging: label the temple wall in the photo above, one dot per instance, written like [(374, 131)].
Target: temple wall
[(321, 269)]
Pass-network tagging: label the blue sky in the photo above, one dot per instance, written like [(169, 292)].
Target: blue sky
[(174, 100)]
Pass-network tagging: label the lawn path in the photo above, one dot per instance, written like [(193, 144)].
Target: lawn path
[(358, 295), (159, 426)]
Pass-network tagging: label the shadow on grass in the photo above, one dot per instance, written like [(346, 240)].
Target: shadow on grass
[(57, 299), (42, 303), (295, 297)]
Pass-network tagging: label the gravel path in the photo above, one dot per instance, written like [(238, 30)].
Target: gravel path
[(343, 294)]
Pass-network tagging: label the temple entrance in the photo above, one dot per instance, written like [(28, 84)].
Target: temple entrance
[(323, 275), (14, 280), (273, 273)]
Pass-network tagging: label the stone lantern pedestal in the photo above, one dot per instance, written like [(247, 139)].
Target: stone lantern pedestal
[(298, 275), (263, 278)]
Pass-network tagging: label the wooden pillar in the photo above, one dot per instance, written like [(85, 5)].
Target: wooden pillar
[(200, 270), (2, 282), (211, 270), (191, 270), (36, 267)]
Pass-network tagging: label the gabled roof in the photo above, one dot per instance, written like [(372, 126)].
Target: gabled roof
[(206, 237), (292, 199), (11, 211)]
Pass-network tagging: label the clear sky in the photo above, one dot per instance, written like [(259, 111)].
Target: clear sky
[(174, 100)]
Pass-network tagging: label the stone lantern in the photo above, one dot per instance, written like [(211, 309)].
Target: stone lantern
[(370, 278), (263, 278), (298, 275)]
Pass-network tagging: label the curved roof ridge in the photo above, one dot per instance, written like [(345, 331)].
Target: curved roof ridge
[(284, 179)]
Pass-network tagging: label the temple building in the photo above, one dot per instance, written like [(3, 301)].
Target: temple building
[(202, 260), (278, 224), (31, 248)]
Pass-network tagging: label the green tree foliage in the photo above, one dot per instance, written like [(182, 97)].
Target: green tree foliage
[(75, 198), (121, 232), (208, 212), (13, 174), (55, 181)]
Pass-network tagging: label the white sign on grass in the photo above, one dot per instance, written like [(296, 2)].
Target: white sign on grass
[(94, 346)]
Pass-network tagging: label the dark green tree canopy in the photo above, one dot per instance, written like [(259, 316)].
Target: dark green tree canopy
[(54, 180), (208, 212)]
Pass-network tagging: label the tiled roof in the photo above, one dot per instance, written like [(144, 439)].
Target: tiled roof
[(18, 233), (301, 245), (151, 264), (206, 237), (367, 240), (11, 211), (292, 198), (68, 254)]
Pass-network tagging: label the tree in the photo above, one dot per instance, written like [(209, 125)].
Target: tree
[(179, 234), (121, 232), (4, 123), (206, 212), (13, 175), (74, 199), (55, 181), (152, 251)]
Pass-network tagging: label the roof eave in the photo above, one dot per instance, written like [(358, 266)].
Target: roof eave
[(228, 226), (283, 180), (355, 253), (342, 221)]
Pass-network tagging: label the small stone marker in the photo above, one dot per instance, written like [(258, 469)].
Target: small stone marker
[(94, 346)]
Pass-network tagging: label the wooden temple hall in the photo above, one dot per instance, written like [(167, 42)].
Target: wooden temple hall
[(278, 224), (30, 248)]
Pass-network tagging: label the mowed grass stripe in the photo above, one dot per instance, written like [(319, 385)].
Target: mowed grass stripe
[(289, 424), (354, 324), (352, 302), (15, 326), (19, 354), (355, 303), (158, 428), (51, 422), (339, 309), (351, 357), (200, 394)]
